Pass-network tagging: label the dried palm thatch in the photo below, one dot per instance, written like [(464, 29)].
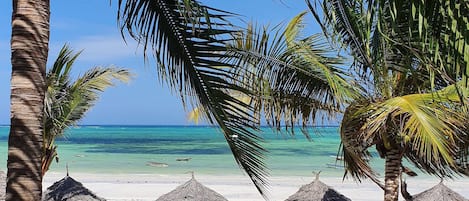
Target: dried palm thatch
[(439, 192), (192, 190), (317, 191), (67, 189), (3, 181)]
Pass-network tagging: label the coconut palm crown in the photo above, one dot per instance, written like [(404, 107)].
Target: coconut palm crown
[(411, 59), (67, 100), (405, 93)]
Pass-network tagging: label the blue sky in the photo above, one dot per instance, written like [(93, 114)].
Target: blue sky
[(91, 26)]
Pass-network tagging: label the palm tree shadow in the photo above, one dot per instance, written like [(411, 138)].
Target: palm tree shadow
[(23, 162)]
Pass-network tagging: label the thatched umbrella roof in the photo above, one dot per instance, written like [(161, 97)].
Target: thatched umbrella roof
[(192, 190), (3, 182), (439, 192), (67, 189), (317, 191)]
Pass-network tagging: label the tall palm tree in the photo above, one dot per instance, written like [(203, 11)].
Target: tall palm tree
[(29, 45), (413, 57), (67, 100)]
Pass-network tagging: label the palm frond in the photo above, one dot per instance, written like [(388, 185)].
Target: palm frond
[(430, 35), (349, 22), (198, 114), (187, 40), (293, 77), (84, 91), (354, 142), (431, 127), (442, 33), (67, 100)]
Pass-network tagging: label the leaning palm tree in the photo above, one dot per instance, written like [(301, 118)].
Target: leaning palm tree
[(67, 100), (29, 50), (411, 58)]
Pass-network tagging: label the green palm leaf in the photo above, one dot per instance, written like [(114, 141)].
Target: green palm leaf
[(355, 143), (433, 127), (341, 21), (293, 78), (188, 40), (443, 26), (67, 100)]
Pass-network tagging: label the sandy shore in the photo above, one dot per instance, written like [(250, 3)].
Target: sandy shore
[(135, 187)]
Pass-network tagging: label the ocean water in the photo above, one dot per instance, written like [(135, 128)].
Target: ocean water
[(155, 150)]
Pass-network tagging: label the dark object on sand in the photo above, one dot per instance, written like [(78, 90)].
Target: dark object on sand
[(317, 191), (67, 189), (439, 192), (192, 191)]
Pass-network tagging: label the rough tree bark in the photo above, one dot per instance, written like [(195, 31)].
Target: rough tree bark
[(391, 175), (29, 50)]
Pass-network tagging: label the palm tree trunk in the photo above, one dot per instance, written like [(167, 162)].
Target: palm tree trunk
[(29, 49), (391, 175)]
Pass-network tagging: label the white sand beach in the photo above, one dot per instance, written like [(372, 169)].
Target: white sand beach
[(142, 187)]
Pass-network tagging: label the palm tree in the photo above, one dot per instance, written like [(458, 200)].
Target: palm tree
[(394, 97), (29, 45), (67, 101), (412, 55)]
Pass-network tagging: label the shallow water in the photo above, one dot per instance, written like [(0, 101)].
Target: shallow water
[(155, 149)]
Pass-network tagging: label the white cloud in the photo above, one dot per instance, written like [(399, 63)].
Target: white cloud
[(102, 49)]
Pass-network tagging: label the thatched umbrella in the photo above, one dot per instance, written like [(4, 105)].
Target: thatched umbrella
[(439, 192), (67, 189), (317, 191), (3, 182), (192, 190)]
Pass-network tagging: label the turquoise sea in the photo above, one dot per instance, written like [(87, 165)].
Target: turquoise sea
[(136, 150)]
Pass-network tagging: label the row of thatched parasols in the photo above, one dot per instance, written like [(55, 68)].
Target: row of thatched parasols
[(318, 191), (68, 189)]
